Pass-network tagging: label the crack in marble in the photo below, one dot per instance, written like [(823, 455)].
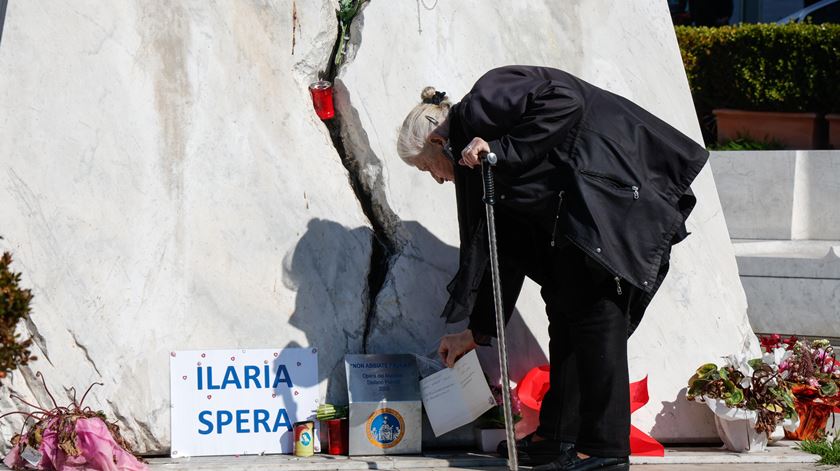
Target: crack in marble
[(364, 170), (85, 351)]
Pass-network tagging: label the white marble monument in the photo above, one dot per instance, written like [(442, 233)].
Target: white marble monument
[(166, 186)]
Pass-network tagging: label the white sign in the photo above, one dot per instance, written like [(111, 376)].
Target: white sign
[(456, 396), (241, 402)]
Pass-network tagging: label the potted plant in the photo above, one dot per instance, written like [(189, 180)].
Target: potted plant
[(748, 397), (833, 130), (766, 81), (490, 426), (334, 420), (812, 372)]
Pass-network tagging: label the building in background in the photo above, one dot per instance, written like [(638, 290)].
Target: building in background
[(742, 11)]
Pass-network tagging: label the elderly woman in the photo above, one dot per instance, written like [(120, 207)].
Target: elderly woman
[(592, 193)]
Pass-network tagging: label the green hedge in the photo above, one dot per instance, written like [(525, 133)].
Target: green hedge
[(763, 67)]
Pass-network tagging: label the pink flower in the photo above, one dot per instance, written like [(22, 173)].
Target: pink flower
[(819, 355), (813, 382)]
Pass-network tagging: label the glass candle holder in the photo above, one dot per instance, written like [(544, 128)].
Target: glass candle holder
[(322, 99), (339, 431)]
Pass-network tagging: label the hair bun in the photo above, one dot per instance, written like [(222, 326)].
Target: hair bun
[(427, 94), (431, 96)]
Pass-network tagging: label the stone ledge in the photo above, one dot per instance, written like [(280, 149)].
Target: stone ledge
[(322, 462), (788, 258), (782, 453), (793, 286)]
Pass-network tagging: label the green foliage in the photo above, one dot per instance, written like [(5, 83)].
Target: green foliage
[(829, 389), (829, 452), (14, 306), (763, 67), (743, 142), (347, 10), (716, 382), (329, 412)]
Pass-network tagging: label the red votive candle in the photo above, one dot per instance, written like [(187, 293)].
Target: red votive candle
[(322, 99), (339, 435)]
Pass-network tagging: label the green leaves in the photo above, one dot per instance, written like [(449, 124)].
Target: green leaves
[(829, 451), (702, 378), (747, 384), (733, 395), (706, 370), (763, 67), (14, 306), (774, 408), (829, 388), (347, 10)]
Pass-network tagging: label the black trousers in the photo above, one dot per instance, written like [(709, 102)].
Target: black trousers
[(588, 402)]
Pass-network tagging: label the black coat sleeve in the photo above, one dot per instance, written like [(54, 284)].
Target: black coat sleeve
[(483, 316), (521, 114)]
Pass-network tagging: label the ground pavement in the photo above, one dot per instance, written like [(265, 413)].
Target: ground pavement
[(781, 457)]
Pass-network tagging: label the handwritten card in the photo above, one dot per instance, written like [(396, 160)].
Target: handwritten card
[(456, 396)]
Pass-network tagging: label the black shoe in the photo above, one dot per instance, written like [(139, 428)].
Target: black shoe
[(586, 464), (531, 453)]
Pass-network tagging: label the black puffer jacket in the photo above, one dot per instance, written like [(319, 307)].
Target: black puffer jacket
[(623, 173)]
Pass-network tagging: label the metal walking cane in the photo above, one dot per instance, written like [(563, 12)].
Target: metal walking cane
[(487, 163)]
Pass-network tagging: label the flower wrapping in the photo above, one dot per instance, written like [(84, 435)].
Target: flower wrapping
[(95, 450)]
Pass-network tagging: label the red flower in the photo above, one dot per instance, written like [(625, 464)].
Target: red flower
[(770, 342), (791, 342)]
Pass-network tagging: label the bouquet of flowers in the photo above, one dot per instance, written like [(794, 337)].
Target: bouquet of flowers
[(752, 389), (812, 365), (70, 438), (812, 372)]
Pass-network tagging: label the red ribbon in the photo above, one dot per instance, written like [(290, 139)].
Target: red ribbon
[(642, 444), (534, 385)]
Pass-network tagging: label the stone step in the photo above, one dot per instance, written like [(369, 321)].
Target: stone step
[(783, 452)]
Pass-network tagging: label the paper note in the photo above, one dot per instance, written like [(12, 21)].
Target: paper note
[(456, 396)]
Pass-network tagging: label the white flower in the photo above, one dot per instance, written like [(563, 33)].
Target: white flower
[(776, 357), (739, 361)]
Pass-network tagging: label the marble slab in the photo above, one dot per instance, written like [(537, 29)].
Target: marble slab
[(626, 47), (779, 194), (165, 185), (792, 286)]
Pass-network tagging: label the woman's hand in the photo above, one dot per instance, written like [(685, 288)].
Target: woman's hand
[(470, 154), (453, 346)]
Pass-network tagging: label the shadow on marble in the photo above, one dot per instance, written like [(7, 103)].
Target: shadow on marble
[(676, 408), (3, 4), (309, 270)]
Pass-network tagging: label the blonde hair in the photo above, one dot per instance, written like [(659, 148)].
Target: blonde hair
[(420, 122)]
